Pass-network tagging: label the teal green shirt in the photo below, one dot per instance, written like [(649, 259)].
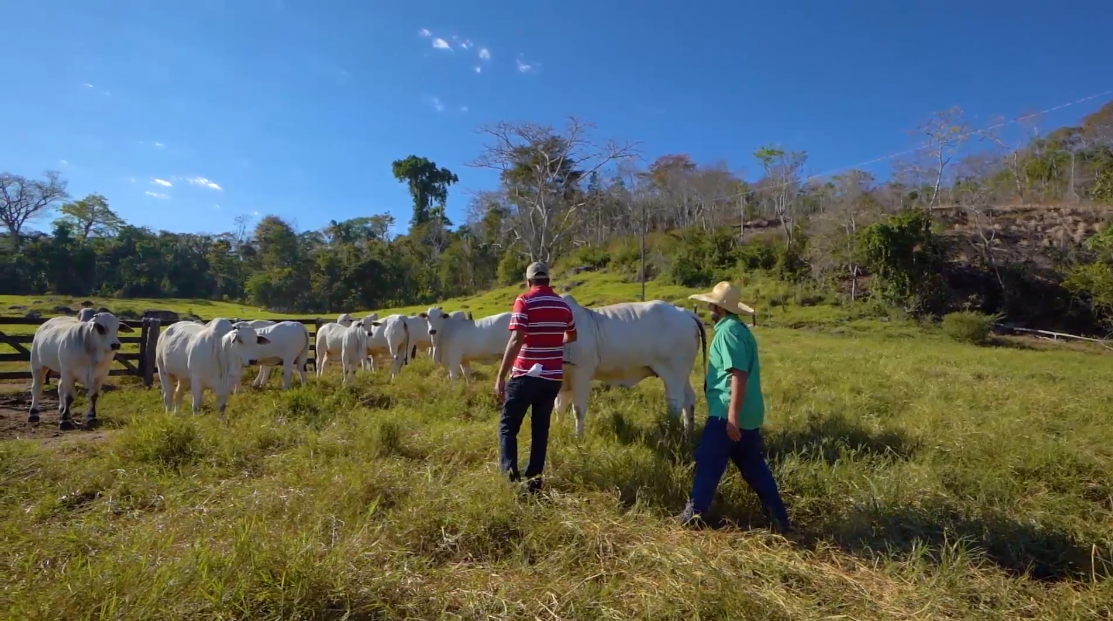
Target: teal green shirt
[(734, 346)]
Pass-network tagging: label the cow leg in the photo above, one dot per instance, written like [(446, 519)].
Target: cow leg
[(581, 389), (287, 374), (38, 380), (92, 389), (167, 383), (198, 391), (301, 369), (67, 389), (690, 408), (221, 403), (674, 393), (322, 361), (179, 393)]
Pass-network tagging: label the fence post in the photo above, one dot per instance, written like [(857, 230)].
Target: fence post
[(149, 346), (143, 363)]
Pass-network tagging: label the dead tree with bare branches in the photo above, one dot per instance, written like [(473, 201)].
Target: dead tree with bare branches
[(23, 199), (542, 171)]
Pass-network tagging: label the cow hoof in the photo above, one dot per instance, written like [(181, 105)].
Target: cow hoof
[(33, 417), (65, 425), (91, 422)]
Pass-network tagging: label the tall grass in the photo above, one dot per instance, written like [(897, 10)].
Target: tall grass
[(929, 479)]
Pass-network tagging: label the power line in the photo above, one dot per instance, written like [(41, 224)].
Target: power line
[(897, 154)]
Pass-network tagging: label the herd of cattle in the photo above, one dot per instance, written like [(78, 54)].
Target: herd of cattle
[(620, 344)]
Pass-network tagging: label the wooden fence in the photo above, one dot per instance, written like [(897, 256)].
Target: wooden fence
[(139, 364)]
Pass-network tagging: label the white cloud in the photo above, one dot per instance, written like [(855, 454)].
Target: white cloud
[(255, 213), (524, 67), (484, 53), (424, 32), (131, 179), (160, 145), (63, 162), (216, 206), (463, 108), (205, 182), (157, 195), (163, 182), (441, 44), (87, 85), (463, 43), (478, 69), (437, 104)]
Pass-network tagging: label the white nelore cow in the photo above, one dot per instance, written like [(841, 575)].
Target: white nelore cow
[(433, 340), (197, 356), (353, 352), (86, 314), (458, 340), (77, 351), (398, 336), (288, 346), (622, 344), (330, 340)]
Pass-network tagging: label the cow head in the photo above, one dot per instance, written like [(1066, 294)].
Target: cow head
[(368, 323), (435, 317), (345, 320), (243, 341), (107, 327), (86, 314)]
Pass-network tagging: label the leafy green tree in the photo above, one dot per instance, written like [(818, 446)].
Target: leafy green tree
[(428, 186), (91, 216)]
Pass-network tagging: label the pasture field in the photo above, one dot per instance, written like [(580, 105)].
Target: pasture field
[(928, 480)]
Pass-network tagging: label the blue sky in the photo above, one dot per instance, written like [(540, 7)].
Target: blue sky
[(187, 114)]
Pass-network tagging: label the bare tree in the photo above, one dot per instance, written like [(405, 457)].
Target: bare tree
[(943, 136), (542, 171), (781, 184), (23, 199), (973, 192), (851, 205)]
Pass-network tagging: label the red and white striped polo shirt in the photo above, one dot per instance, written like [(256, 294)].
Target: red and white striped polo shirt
[(544, 317)]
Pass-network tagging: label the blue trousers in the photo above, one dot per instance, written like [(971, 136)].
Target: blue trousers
[(526, 393), (716, 450)]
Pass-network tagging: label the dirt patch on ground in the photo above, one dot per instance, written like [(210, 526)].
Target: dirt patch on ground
[(13, 420)]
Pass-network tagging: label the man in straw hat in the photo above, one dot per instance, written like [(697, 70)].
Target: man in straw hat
[(541, 324), (736, 411)]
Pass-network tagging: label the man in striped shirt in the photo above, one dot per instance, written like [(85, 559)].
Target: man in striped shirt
[(541, 324)]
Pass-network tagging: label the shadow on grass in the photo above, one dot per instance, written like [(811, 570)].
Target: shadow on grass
[(1045, 553), (837, 437)]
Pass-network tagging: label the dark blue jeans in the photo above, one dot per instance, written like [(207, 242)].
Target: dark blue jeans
[(524, 393), (716, 450)]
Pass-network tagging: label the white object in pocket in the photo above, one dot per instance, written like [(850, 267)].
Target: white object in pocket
[(534, 371)]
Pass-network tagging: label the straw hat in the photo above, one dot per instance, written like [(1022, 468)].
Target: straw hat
[(724, 295)]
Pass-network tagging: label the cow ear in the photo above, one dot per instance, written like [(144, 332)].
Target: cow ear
[(262, 340), (126, 328), (423, 315), (100, 329)]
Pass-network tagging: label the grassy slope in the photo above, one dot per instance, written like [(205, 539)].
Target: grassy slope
[(926, 475)]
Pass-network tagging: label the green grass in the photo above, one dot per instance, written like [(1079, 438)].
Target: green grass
[(938, 480)]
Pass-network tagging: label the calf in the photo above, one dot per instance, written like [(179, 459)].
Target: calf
[(195, 356), (354, 350), (330, 340), (77, 351)]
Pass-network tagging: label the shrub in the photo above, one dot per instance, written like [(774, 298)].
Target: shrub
[(969, 326), (512, 267), (591, 256)]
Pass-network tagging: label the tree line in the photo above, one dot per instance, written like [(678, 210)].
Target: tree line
[(566, 195)]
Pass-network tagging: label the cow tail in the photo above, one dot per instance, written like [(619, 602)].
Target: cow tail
[(406, 330), (703, 346)]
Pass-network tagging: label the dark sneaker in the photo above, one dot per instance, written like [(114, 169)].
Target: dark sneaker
[(533, 486)]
